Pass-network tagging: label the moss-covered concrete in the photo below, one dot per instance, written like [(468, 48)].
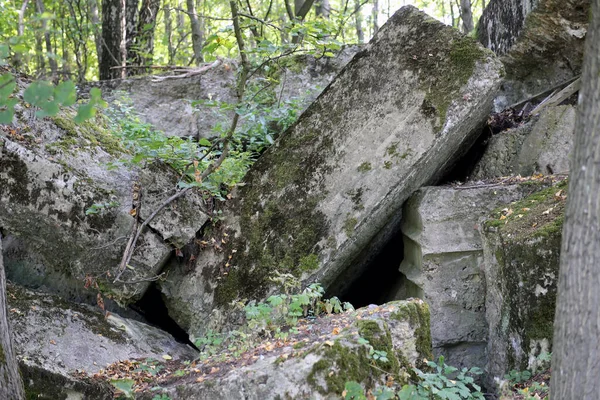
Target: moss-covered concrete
[(525, 239), (90, 133), (419, 317)]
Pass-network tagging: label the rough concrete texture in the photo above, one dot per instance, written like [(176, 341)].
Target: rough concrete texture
[(395, 118), (541, 146), (54, 338), (541, 42), (51, 172), (521, 262), (443, 257), (502, 22), (167, 104), (321, 368)]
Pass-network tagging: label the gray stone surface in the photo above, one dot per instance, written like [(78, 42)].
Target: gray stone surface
[(521, 263), (51, 171), (323, 366), (54, 338), (543, 145), (394, 119), (443, 257), (541, 42), (167, 105)]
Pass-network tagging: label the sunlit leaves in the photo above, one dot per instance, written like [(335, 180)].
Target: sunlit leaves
[(87, 111), (49, 98)]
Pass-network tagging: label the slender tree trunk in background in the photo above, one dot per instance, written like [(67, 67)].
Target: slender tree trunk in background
[(11, 385), (39, 51), (452, 14), (113, 39), (144, 36), (576, 349), (181, 29), (323, 9), (93, 12), (131, 28), (39, 4), (482, 5), (358, 21), (466, 15), (197, 33), (168, 32), (17, 62), (375, 16)]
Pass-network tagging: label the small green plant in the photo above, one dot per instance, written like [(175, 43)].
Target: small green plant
[(515, 376), (161, 396), (99, 208), (441, 383), (150, 366), (125, 386), (276, 317), (444, 382)]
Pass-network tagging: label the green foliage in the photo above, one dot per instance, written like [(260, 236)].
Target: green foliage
[(444, 382), (150, 366), (187, 156), (515, 376), (125, 386), (439, 384), (161, 396), (276, 317), (99, 208), (7, 103)]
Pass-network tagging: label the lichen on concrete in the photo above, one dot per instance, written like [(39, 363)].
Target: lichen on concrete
[(522, 258)]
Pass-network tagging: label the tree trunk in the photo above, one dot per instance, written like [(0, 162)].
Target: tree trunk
[(197, 32), (452, 16), (576, 351), (16, 60), (11, 385), (358, 21), (375, 16), (113, 38), (323, 9), (39, 4), (131, 27), (466, 15), (144, 37), (169, 32), (93, 11)]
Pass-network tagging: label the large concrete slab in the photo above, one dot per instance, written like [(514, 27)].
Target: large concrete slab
[(396, 118), (443, 257)]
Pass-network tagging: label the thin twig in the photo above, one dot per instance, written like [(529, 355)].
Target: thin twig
[(261, 21)]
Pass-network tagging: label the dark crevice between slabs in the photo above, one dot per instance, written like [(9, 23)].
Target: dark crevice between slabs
[(154, 310)]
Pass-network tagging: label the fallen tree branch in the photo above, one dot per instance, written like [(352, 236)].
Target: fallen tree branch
[(190, 73)]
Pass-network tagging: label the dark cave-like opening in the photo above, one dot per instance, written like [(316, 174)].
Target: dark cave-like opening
[(465, 165), (154, 310), (381, 280)]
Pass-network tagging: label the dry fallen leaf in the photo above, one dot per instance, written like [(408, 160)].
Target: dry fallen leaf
[(329, 343), (336, 330)]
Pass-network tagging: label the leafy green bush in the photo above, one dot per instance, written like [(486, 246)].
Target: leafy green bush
[(187, 156), (276, 317), (444, 382)]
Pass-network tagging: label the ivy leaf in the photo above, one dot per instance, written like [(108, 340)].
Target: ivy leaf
[(84, 112), (6, 115), (7, 86), (354, 391), (38, 93), (125, 386), (65, 93)]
